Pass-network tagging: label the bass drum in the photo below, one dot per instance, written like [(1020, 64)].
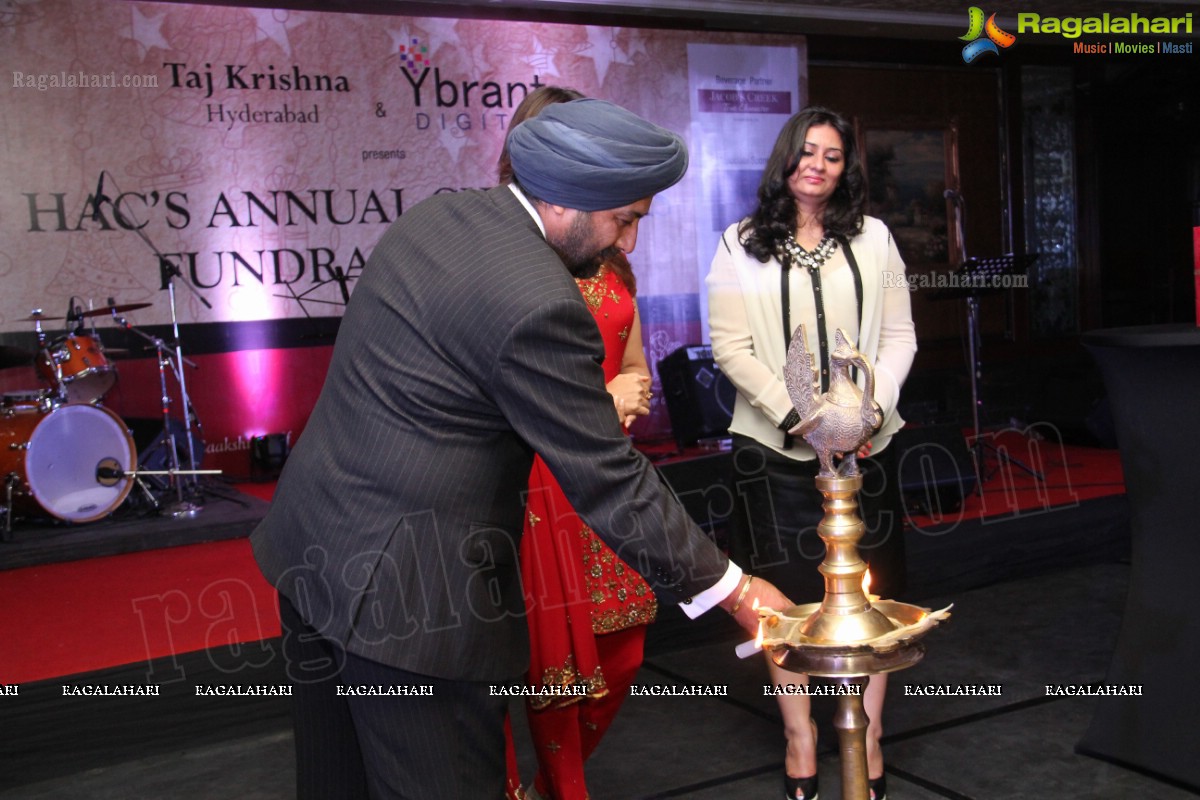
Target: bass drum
[(67, 462)]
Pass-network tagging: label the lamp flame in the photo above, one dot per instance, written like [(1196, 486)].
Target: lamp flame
[(866, 587)]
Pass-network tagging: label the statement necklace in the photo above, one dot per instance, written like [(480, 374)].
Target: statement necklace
[(813, 260)]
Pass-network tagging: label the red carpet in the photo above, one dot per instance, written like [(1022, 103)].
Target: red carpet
[(80, 616), (1071, 475)]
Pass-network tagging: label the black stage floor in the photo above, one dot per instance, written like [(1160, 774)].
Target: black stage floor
[(224, 513), (1019, 636), (1038, 601)]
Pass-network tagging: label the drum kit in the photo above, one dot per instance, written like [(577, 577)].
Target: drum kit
[(64, 456)]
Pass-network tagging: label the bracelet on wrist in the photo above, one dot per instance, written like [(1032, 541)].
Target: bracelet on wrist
[(742, 595)]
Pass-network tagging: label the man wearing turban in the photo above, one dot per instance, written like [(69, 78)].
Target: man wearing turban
[(393, 534)]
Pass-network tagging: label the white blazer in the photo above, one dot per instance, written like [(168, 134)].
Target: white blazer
[(745, 316)]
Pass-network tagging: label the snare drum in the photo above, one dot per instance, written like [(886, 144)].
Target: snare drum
[(75, 365), (67, 462)]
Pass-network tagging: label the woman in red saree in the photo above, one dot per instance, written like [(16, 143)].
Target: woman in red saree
[(587, 610)]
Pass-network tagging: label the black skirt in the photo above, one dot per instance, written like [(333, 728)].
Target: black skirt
[(777, 507)]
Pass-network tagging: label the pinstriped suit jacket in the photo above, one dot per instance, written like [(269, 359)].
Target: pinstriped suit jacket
[(395, 526)]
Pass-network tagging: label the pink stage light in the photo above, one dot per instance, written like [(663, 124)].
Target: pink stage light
[(257, 385)]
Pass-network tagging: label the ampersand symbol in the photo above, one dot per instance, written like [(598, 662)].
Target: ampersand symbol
[(379, 112)]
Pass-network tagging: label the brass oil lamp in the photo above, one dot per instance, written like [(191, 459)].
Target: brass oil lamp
[(850, 634)]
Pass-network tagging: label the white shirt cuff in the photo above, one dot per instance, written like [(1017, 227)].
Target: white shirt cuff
[(713, 594)]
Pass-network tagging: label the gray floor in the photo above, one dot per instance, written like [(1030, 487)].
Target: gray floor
[(1022, 635)]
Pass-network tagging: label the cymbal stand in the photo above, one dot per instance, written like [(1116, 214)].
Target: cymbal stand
[(168, 272), (10, 485), (37, 327), (171, 272), (59, 391), (166, 359)]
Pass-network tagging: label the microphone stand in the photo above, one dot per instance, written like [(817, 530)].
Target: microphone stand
[(969, 268), (167, 273)]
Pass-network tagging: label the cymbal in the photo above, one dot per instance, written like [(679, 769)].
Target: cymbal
[(96, 312), (14, 357), (34, 317)]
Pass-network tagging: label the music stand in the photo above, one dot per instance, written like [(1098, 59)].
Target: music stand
[(976, 277)]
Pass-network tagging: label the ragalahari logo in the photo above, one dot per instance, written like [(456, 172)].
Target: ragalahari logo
[(976, 27), (415, 56)]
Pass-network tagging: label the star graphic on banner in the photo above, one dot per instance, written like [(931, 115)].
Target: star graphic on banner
[(146, 30), (605, 52), (478, 56), (454, 141), (10, 15), (542, 60), (637, 46), (273, 25), (440, 32)]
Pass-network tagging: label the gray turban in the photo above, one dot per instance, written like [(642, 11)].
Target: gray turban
[(592, 155)]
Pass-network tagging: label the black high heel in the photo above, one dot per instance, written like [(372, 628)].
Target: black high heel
[(806, 786), (878, 787)]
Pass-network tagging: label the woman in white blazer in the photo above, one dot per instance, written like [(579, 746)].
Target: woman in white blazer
[(809, 255)]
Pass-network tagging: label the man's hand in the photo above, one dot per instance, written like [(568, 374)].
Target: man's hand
[(763, 591)]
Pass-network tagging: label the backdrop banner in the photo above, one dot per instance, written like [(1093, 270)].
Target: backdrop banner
[(251, 158)]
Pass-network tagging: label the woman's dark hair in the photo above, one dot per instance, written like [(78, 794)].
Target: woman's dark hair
[(774, 219), (531, 106)]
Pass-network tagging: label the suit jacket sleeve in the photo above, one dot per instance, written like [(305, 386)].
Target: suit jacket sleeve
[(549, 384)]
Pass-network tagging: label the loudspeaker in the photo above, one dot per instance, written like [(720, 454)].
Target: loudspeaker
[(934, 468), (699, 396), (269, 452)]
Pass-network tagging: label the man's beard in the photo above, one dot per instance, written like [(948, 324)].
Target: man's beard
[(577, 250)]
